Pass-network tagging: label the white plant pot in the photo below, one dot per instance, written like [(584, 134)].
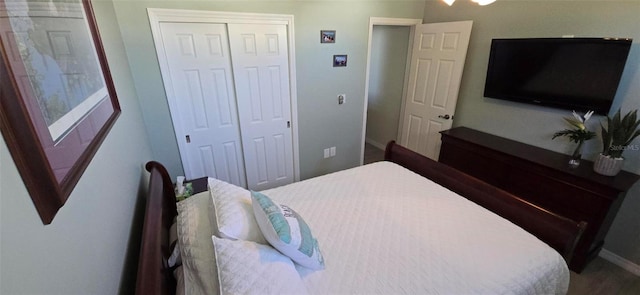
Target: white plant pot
[(607, 165)]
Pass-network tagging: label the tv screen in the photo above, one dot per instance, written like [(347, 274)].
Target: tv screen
[(571, 73)]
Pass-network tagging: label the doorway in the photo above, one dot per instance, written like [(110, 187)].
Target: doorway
[(389, 51), (431, 83), (389, 48)]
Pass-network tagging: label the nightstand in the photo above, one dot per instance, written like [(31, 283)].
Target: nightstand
[(199, 184)]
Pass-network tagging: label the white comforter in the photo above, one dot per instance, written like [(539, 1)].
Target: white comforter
[(386, 230)]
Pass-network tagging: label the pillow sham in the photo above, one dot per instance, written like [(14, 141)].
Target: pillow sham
[(286, 231), (196, 251), (250, 268), (231, 213)]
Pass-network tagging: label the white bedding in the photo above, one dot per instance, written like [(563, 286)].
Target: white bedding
[(385, 230)]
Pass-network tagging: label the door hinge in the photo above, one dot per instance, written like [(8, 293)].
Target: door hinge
[(188, 137)]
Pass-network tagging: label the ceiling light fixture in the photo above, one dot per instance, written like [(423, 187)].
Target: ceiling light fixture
[(479, 2), (483, 2)]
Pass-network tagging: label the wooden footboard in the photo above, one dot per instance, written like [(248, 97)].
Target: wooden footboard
[(558, 232), (154, 275)]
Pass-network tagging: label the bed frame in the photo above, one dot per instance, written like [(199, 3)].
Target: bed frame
[(559, 232), (154, 274), (155, 277)]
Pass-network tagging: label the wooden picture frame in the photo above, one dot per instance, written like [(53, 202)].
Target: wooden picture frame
[(57, 99), (327, 36)]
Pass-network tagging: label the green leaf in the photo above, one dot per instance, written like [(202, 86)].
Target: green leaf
[(620, 132), (606, 140)]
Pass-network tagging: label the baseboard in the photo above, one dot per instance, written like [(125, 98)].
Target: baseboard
[(621, 262), (372, 142)]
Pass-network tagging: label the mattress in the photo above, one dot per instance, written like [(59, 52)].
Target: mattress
[(385, 230)]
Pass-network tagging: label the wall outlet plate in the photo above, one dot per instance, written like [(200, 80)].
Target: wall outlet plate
[(342, 98)]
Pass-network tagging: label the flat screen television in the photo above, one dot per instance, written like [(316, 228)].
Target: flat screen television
[(570, 73)]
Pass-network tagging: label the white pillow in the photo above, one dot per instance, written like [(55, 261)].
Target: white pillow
[(196, 250), (176, 257), (249, 268), (286, 231), (231, 215)]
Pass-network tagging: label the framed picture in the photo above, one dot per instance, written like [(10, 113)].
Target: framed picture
[(57, 99), (339, 60), (327, 36)]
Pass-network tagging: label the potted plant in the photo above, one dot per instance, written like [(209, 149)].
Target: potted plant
[(616, 138), (579, 134)]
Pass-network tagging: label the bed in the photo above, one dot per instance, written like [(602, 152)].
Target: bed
[(406, 225)]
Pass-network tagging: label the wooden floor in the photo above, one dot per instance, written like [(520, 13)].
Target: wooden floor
[(600, 277)]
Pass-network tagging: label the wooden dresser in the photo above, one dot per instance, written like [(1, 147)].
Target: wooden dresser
[(544, 178)]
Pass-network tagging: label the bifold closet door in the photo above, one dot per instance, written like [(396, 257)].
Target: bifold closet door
[(202, 99), (261, 74)]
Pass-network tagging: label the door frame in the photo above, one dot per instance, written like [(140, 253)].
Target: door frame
[(158, 15), (384, 21)]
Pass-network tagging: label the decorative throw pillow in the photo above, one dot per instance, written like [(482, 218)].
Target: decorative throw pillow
[(231, 213), (286, 231), (250, 268)]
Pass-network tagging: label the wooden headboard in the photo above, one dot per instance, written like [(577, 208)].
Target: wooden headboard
[(154, 275), (557, 231)]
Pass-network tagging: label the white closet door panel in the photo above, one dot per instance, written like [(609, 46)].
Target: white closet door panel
[(202, 100), (261, 72), (258, 152)]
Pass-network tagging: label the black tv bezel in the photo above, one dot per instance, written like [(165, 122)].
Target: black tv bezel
[(560, 104)]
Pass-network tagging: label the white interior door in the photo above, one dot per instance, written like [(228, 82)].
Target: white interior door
[(437, 61), (261, 72), (201, 97)]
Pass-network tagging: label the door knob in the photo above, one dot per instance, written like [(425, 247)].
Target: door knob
[(446, 117)]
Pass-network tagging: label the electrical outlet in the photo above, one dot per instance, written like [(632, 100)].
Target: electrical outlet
[(342, 98), (332, 151), (327, 153)]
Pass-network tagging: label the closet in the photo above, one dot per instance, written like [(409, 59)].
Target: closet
[(229, 95)]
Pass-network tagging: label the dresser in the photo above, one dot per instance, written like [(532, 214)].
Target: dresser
[(544, 178)]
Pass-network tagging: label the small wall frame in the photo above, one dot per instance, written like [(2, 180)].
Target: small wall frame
[(327, 36), (340, 60)]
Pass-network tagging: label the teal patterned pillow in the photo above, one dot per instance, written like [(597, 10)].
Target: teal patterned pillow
[(286, 231)]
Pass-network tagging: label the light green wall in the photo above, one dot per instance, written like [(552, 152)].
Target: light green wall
[(389, 47), (322, 122), (83, 250), (535, 125)]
